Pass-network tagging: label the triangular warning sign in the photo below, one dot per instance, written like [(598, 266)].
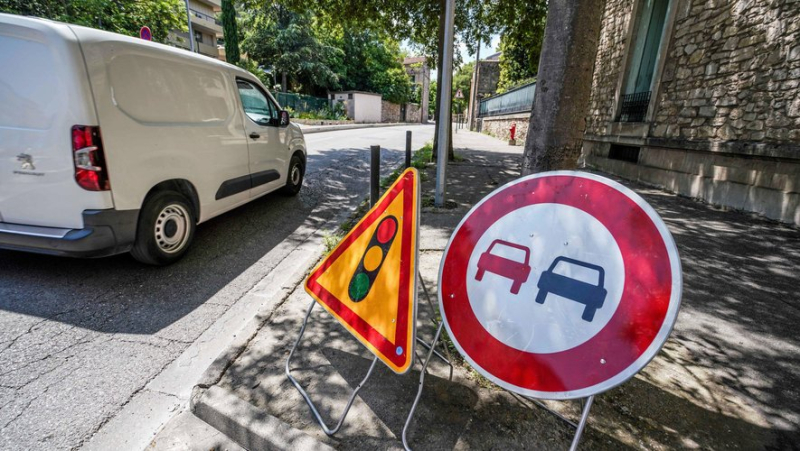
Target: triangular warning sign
[(369, 281)]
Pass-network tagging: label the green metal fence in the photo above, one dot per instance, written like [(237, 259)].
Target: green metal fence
[(517, 100), (300, 103)]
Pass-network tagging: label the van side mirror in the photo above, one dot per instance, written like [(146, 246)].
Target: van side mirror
[(284, 117)]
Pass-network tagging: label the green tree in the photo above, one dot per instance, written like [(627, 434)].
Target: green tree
[(521, 44), (285, 40), (231, 32), (462, 80), (120, 16)]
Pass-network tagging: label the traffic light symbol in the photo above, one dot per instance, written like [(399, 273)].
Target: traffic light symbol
[(373, 258)]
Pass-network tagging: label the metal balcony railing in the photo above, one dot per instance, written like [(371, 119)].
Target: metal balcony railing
[(634, 107), (205, 16), (517, 100)]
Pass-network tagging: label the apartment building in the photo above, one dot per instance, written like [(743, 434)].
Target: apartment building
[(206, 29)]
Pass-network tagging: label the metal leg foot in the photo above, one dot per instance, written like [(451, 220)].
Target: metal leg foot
[(582, 424), (421, 385), (310, 403)]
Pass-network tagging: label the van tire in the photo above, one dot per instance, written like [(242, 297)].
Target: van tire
[(166, 228), (294, 177)]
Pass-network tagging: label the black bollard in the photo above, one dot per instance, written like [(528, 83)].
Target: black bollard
[(375, 174), (408, 149)]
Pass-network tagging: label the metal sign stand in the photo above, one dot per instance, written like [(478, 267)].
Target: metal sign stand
[(310, 403), (431, 352)]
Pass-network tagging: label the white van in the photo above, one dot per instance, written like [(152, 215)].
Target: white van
[(111, 144)]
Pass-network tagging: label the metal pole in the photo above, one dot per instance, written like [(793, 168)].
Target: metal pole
[(189, 21), (375, 174), (443, 121), (581, 424), (408, 149)]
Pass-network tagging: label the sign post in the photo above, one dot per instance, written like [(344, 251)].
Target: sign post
[(560, 285), (369, 284)]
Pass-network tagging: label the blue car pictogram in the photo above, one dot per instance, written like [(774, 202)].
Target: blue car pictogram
[(591, 296)]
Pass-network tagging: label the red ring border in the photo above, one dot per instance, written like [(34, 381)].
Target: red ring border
[(628, 334)]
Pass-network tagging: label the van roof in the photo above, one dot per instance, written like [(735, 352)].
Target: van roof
[(80, 33)]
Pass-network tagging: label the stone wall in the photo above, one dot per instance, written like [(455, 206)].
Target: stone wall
[(725, 117), (499, 126), (608, 64), (390, 112), (732, 73), (413, 113)]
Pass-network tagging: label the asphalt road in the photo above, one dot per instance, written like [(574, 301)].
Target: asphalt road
[(78, 338)]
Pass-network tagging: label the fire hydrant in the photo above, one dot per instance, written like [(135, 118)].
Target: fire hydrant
[(513, 130)]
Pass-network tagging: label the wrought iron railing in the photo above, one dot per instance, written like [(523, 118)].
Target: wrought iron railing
[(634, 107), (300, 103), (517, 100)]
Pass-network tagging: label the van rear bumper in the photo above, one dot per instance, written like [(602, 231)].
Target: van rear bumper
[(105, 232)]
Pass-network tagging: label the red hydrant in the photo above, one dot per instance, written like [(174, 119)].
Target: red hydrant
[(513, 130)]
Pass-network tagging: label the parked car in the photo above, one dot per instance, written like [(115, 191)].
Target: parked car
[(590, 295), (111, 144), (517, 271)]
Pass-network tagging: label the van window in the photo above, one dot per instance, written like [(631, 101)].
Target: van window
[(256, 105), (160, 90)]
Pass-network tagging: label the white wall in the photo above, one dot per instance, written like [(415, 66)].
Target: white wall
[(367, 107)]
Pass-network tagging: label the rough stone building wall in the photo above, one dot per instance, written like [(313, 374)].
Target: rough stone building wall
[(608, 64), (500, 126), (732, 73), (413, 113), (489, 77), (390, 112), (724, 124)]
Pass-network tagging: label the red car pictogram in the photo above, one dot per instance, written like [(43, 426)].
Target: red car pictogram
[(510, 269)]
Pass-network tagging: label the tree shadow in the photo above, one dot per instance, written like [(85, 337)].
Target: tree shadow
[(119, 295)]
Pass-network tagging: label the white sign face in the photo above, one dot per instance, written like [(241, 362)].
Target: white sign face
[(557, 324), (560, 285)]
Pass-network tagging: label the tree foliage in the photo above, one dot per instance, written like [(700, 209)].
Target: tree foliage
[(521, 44), (120, 16), (285, 41), (231, 31)]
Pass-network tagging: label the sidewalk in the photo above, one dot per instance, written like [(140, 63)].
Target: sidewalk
[(307, 129), (727, 378)]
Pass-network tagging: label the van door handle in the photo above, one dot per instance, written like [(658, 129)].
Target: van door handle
[(255, 135)]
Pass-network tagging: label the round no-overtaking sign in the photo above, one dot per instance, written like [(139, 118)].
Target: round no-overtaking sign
[(560, 285)]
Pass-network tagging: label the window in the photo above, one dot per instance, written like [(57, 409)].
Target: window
[(198, 37), (641, 70), (256, 105)]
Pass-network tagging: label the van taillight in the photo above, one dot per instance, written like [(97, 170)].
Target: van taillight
[(90, 166)]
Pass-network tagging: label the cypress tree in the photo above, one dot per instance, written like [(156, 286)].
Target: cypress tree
[(230, 31)]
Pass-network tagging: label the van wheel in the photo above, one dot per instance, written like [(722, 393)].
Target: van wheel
[(165, 230), (294, 181)]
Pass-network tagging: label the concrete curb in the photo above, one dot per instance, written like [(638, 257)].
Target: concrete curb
[(333, 128), (247, 425)]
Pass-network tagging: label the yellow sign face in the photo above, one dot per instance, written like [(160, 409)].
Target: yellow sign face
[(369, 281)]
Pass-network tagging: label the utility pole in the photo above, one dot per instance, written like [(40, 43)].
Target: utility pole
[(473, 93), (191, 33), (443, 121)]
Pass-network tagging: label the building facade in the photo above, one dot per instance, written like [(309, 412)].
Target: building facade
[(485, 77), (701, 97), (206, 29), (420, 75)]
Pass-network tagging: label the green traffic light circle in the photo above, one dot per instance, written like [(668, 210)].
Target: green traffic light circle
[(359, 287)]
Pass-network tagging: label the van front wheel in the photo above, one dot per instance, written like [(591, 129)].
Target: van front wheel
[(294, 180), (166, 228)]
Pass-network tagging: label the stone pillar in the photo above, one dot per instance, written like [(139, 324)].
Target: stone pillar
[(563, 85)]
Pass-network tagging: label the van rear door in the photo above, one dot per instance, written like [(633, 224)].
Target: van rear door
[(45, 92)]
